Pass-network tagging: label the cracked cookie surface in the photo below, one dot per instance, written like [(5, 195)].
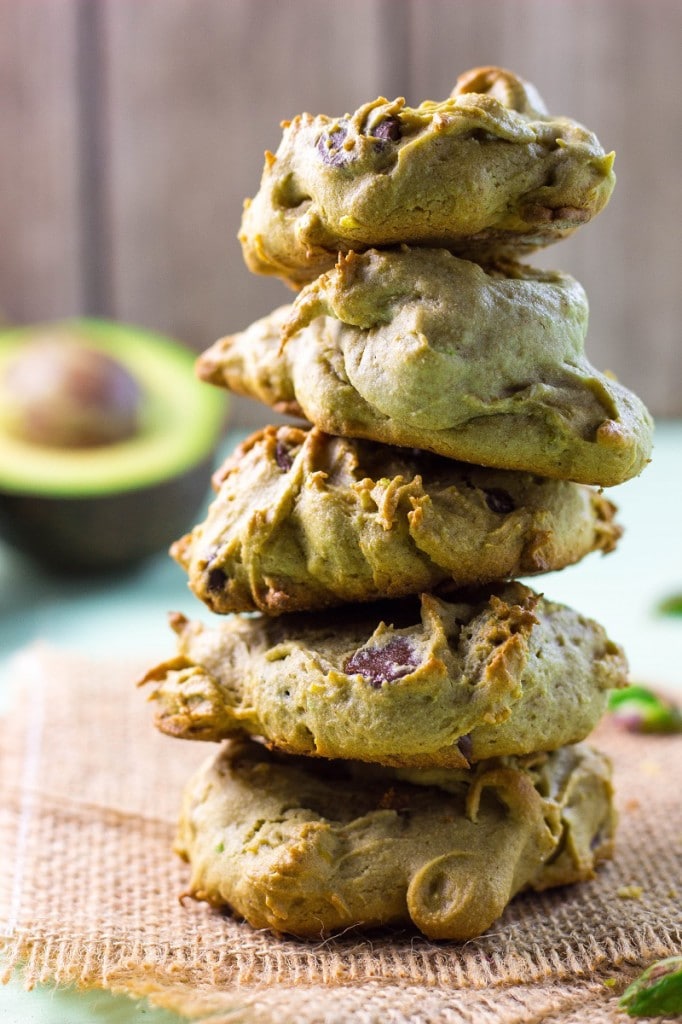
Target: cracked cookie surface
[(415, 683), (303, 520), (417, 348), (312, 849), (486, 171)]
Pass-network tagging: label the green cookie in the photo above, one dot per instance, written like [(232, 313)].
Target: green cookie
[(487, 172), (418, 683), (307, 849), (418, 348), (303, 520)]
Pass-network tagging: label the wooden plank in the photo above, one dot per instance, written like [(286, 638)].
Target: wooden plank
[(132, 132), (194, 97), (40, 256), (615, 67)]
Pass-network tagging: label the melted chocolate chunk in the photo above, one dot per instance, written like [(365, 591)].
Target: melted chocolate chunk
[(330, 146), (388, 130), (283, 457), (215, 580), (499, 501), (384, 664)]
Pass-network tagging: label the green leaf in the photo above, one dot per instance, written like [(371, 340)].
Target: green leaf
[(671, 605), (657, 992), (642, 710)]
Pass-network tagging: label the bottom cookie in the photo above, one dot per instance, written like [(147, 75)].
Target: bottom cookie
[(310, 847)]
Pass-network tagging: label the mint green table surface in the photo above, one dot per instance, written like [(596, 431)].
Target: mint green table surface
[(621, 590)]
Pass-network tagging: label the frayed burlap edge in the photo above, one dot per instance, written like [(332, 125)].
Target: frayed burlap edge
[(593, 1001), (547, 958)]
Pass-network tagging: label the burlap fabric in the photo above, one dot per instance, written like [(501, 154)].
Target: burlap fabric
[(89, 887)]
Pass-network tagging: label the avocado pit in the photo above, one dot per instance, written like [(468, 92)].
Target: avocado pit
[(61, 392)]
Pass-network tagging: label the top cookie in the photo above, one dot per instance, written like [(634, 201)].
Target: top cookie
[(487, 172)]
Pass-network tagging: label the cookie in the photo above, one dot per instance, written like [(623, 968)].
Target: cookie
[(418, 683), (486, 171), (303, 520), (311, 850), (418, 348)]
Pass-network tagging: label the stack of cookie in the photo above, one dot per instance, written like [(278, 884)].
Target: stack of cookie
[(403, 718)]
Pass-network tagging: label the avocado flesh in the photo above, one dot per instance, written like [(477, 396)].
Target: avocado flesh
[(107, 506)]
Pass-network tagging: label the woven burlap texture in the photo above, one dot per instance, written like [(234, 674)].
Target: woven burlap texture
[(89, 891)]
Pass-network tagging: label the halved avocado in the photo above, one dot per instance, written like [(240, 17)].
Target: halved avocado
[(108, 505)]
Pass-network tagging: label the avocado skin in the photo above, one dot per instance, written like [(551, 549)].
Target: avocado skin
[(104, 532)]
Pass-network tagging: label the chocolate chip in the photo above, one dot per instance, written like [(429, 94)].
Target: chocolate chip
[(215, 580), (499, 501), (466, 747), (330, 146), (481, 135), (283, 457), (388, 130), (384, 664), (597, 839)]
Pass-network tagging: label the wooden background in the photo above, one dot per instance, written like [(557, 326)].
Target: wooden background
[(131, 131)]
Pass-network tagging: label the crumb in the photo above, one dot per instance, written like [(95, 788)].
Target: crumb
[(630, 892)]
